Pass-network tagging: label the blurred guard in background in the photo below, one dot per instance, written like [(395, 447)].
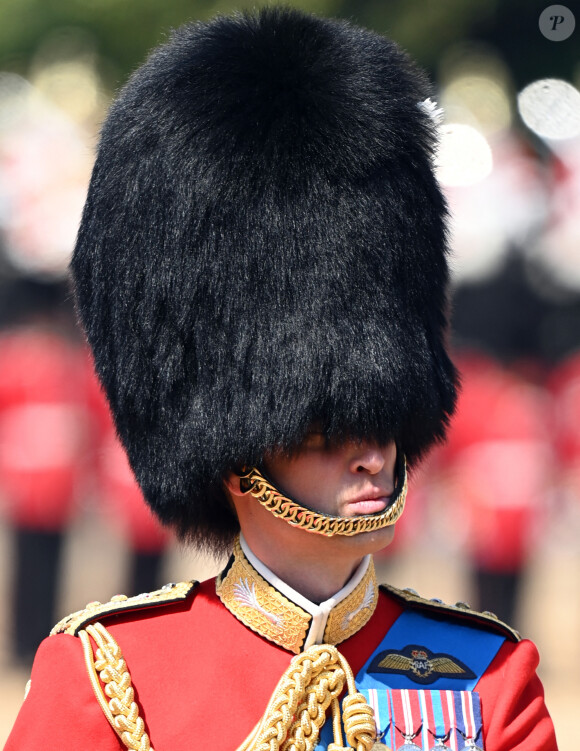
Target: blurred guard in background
[(564, 385), (57, 443), (43, 442), (261, 272), (500, 465)]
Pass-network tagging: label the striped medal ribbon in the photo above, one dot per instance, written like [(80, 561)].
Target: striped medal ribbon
[(437, 710), (425, 720), (468, 718), (407, 707)]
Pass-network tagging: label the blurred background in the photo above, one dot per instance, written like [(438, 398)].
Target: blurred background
[(494, 516)]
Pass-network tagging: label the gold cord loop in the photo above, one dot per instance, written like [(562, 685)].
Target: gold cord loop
[(122, 711), (296, 711)]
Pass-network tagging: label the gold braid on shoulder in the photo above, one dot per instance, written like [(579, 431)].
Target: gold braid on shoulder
[(296, 712), (264, 491), (313, 681), (117, 700)]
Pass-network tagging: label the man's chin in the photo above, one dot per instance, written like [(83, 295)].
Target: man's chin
[(364, 543)]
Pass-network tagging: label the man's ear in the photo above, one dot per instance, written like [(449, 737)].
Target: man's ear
[(232, 483)]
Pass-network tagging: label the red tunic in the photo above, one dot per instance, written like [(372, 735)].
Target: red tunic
[(203, 680), (43, 428)]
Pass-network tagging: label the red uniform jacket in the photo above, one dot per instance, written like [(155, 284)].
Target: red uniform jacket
[(203, 679)]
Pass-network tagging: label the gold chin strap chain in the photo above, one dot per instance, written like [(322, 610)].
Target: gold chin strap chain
[(120, 708), (297, 710), (292, 512)]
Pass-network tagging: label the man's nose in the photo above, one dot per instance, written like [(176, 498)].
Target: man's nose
[(368, 458)]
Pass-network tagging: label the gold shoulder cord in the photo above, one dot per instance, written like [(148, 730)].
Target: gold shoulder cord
[(297, 710), (120, 708), (293, 718)]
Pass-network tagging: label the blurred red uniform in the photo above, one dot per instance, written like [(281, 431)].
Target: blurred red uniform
[(43, 424), (564, 384), (499, 466)]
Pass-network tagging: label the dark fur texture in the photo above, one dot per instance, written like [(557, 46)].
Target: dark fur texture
[(263, 246)]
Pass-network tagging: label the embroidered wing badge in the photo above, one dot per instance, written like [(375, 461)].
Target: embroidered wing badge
[(419, 664), (247, 596), (367, 601)]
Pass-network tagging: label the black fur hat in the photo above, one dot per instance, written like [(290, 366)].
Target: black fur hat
[(263, 246)]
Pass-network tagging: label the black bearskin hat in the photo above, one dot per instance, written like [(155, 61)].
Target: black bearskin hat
[(263, 247)]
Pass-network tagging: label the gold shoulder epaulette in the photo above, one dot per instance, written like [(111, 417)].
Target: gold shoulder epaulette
[(167, 595), (461, 610)]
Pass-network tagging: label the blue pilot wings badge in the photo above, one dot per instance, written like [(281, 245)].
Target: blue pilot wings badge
[(419, 664)]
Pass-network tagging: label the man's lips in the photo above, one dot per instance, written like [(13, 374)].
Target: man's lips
[(371, 502)]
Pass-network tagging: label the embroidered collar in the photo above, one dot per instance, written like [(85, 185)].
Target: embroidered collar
[(264, 603)]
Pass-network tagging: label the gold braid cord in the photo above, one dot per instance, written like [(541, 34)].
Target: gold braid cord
[(296, 712), (311, 521), (120, 708)]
